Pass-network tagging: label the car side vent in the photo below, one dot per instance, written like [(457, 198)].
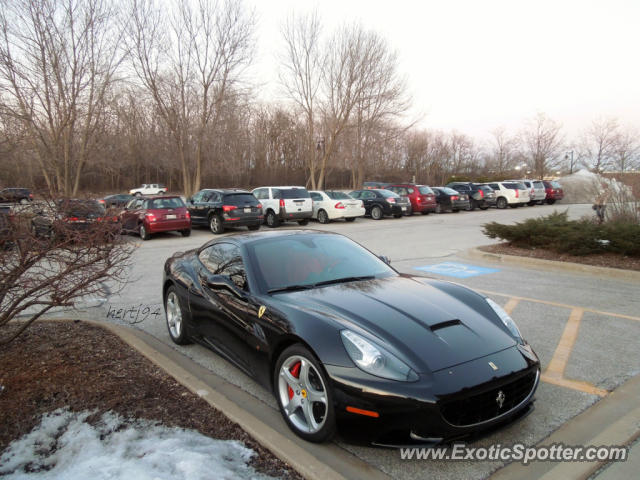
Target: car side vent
[(445, 324)]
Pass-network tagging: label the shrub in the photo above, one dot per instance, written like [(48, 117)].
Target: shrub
[(577, 237)]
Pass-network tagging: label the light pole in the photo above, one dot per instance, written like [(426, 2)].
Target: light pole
[(566, 157)]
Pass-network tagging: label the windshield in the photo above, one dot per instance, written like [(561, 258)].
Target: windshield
[(388, 194), (338, 195), (290, 193), (305, 260)]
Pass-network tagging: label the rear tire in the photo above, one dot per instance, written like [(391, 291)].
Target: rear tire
[(397, 216), (551, 201), (426, 212), (216, 224), (350, 219), (186, 232), (514, 206), (501, 203), (484, 208), (144, 235), (376, 213), (271, 219), (176, 318), (304, 222), (253, 228), (323, 217)]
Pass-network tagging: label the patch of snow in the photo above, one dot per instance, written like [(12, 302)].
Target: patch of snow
[(65, 446)]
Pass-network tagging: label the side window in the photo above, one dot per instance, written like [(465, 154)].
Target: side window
[(410, 190), (393, 189), (316, 197), (355, 195), (211, 257), (368, 195), (259, 193), (277, 194), (214, 197), (232, 265), (495, 186)]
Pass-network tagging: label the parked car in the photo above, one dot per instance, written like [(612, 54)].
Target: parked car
[(489, 194), (283, 204), (422, 198), (15, 195), (69, 215), (149, 215), (450, 199), (370, 185), (554, 191), (118, 200), (221, 208), (537, 192), (380, 202), (342, 339), (149, 189), (474, 192), (330, 205), (513, 194)]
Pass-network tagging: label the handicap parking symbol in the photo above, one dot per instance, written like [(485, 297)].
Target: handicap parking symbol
[(457, 270)]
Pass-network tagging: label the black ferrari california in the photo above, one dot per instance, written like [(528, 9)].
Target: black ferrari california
[(344, 340)]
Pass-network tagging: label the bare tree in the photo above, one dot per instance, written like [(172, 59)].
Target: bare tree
[(40, 271), (189, 59), (302, 67), (503, 152), (598, 143), (542, 140), (58, 62), (626, 150)]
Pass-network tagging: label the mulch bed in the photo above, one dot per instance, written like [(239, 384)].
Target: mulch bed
[(610, 260), (83, 367)]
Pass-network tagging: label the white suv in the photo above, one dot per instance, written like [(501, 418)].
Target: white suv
[(536, 190), (514, 194), (281, 204), (148, 189)]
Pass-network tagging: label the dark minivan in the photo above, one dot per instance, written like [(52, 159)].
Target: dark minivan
[(220, 208)]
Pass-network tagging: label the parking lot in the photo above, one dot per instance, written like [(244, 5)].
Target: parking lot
[(583, 327)]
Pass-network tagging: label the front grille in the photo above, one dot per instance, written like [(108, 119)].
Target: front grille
[(484, 406)]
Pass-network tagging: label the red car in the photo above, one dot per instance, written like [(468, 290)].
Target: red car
[(148, 215), (422, 198), (554, 191)]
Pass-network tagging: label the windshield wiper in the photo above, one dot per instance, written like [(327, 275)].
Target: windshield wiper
[(345, 280), (292, 288)]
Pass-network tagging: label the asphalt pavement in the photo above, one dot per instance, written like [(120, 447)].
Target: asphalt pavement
[(584, 326)]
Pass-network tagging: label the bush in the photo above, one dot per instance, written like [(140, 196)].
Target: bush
[(577, 237)]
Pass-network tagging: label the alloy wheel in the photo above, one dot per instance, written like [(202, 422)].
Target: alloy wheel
[(174, 315), (302, 394)]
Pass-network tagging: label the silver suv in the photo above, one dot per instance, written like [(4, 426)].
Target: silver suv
[(537, 192), (281, 204)]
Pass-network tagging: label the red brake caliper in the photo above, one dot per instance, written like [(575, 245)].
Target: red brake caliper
[(295, 371)]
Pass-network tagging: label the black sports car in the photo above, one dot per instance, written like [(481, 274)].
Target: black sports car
[(342, 338)]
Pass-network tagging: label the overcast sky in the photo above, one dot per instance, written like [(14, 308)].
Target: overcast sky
[(473, 65)]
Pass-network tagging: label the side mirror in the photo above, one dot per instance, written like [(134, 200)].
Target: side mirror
[(385, 259), (224, 282)]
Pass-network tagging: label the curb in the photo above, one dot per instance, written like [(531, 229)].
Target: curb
[(312, 461), (614, 273)]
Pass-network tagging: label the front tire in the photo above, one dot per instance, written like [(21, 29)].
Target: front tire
[(323, 217), (376, 213), (216, 224), (175, 317), (303, 394)]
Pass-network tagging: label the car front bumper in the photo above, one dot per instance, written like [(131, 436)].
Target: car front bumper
[(450, 404)]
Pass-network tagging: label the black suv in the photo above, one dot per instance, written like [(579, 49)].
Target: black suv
[(15, 195), (218, 208), (477, 197)]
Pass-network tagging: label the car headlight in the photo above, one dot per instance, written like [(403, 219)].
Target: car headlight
[(376, 360), (506, 319)]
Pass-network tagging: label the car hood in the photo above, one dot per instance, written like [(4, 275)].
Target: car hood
[(433, 325)]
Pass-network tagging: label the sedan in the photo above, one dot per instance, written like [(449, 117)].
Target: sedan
[(450, 199), (344, 340), (331, 205), (381, 202)]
